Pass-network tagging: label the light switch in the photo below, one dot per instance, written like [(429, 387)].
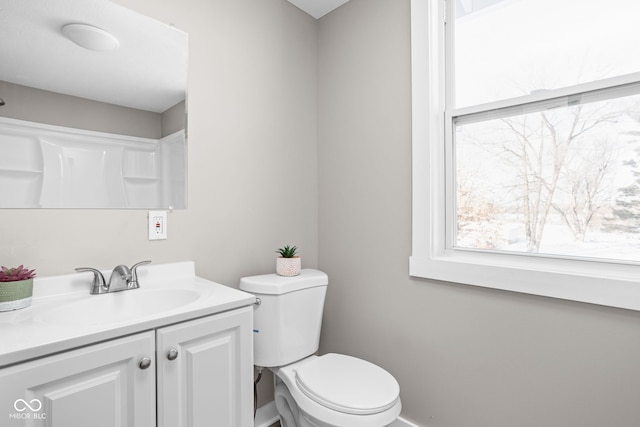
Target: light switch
[(157, 225)]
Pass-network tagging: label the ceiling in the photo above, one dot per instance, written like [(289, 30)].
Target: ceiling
[(35, 53), (318, 8)]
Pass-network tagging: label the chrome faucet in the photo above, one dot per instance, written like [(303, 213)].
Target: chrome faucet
[(122, 278)]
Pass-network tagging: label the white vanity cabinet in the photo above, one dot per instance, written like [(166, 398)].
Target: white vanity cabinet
[(200, 374), (101, 385), (205, 371)]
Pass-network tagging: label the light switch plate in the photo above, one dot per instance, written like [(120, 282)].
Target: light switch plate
[(157, 225)]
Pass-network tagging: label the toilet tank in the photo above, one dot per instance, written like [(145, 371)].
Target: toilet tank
[(286, 323)]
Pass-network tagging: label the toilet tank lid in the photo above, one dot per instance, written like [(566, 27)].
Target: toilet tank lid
[(275, 284)]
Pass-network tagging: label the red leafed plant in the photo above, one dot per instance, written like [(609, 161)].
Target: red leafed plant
[(16, 274)]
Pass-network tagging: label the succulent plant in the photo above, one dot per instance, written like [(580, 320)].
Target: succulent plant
[(16, 274), (287, 251)]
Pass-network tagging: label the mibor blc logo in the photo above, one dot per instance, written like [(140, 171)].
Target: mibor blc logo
[(28, 410)]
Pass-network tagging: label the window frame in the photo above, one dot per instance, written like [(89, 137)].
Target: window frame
[(603, 283)]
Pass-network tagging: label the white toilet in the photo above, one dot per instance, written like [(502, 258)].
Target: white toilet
[(332, 390)]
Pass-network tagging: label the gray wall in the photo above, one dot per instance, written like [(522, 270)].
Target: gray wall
[(464, 356), (35, 105), (173, 119)]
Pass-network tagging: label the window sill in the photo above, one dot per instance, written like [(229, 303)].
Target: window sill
[(613, 285)]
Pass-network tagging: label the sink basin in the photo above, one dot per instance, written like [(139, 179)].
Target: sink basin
[(118, 306)]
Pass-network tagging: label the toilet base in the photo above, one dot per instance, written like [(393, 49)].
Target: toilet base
[(290, 414)]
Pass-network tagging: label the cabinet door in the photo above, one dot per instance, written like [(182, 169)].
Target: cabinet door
[(205, 371), (100, 385)]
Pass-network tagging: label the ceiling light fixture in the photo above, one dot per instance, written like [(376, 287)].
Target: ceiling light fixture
[(90, 37)]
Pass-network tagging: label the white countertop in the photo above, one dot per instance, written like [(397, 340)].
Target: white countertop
[(63, 315)]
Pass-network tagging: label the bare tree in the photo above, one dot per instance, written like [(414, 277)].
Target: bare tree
[(539, 153), (585, 185)]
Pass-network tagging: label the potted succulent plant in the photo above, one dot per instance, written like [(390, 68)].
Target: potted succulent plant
[(16, 287), (288, 263)]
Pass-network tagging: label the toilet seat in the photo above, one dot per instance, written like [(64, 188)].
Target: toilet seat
[(322, 415), (347, 384)]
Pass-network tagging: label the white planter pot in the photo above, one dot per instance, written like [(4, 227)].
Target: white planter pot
[(288, 266)]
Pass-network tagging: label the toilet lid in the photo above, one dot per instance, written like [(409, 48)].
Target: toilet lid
[(347, 384)]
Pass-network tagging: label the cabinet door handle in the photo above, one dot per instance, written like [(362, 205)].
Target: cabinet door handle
[(172, 354), (144, 363)]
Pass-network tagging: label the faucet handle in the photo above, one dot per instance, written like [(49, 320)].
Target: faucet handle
[(98, 286), (133, 283)]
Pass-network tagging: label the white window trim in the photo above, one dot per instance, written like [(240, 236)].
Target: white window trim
[(603, 283)]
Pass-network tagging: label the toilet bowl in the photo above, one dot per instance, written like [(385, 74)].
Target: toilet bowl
[(331, 390), (336, 390)]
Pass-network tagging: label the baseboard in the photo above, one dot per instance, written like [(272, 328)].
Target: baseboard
[(401, 422), (267, 414)]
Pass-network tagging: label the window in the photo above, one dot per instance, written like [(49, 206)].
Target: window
[(526, 146)]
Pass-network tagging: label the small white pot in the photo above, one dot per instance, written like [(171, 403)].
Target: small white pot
[(288, 266)]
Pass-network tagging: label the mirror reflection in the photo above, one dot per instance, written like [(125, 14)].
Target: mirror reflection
[(92, 110)]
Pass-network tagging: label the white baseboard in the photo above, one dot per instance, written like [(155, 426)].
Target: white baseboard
[(401, 422), (267, 414)]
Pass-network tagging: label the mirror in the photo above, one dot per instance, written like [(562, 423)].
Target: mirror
[(92, 107)]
